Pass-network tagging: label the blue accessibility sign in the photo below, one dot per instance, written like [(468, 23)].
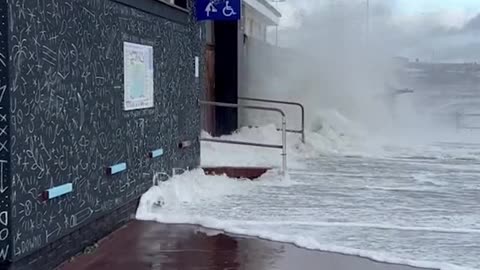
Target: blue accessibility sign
[(219, 10)]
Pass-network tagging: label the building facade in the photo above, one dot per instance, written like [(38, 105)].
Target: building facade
[(96, 97), (227, 65), (258, 17)]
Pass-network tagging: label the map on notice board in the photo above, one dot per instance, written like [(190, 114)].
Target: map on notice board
[(138, 76)]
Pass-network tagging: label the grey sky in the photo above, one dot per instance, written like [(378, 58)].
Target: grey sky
[(438, 30)]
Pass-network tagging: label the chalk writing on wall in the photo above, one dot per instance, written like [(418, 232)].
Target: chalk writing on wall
[(68, 121), (5, 190)]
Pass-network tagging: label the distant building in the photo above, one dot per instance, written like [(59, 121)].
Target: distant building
[(258, 16)]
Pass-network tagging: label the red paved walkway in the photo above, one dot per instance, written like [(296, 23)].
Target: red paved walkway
[(153, 246)]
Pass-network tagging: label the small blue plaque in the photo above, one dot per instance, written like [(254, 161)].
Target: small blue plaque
[(118, 168), (58, 191), (156, 153)]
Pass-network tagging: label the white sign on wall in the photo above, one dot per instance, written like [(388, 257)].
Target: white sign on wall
[(138, 76), (197, 67)]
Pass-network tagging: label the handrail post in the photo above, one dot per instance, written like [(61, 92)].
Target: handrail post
[(272, 109), (284, 145), (302, 132), (303, 123)]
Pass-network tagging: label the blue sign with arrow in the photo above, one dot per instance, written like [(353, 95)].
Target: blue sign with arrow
[(219, 10)]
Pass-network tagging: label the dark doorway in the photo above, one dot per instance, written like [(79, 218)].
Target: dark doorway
[(226, 76)]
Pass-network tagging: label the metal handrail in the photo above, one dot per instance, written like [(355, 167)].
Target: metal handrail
[(302, 108), (283, 146), (243, 143)]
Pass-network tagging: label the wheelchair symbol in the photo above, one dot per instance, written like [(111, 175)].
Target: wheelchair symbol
[(228, 10)]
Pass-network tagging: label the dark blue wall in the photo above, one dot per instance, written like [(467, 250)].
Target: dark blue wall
[(5, 190), (67, 122)]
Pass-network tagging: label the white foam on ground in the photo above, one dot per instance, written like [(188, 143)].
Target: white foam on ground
[(346, 193), (325, 139), (222, 204), (331, 133)]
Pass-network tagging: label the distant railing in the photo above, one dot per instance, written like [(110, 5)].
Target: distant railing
[(302, 109), (283, 146), (460, 116)]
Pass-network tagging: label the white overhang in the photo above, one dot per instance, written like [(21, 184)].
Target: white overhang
[(270, 13)]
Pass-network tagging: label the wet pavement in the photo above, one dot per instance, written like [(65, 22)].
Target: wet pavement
[(154, 246)]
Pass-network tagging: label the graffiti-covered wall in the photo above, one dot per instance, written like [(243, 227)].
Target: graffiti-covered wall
[(72, 151), (5, 191)]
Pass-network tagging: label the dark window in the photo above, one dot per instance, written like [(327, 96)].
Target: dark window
[(181, 3)]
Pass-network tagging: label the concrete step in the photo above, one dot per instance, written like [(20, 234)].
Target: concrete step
[(251, 173)]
